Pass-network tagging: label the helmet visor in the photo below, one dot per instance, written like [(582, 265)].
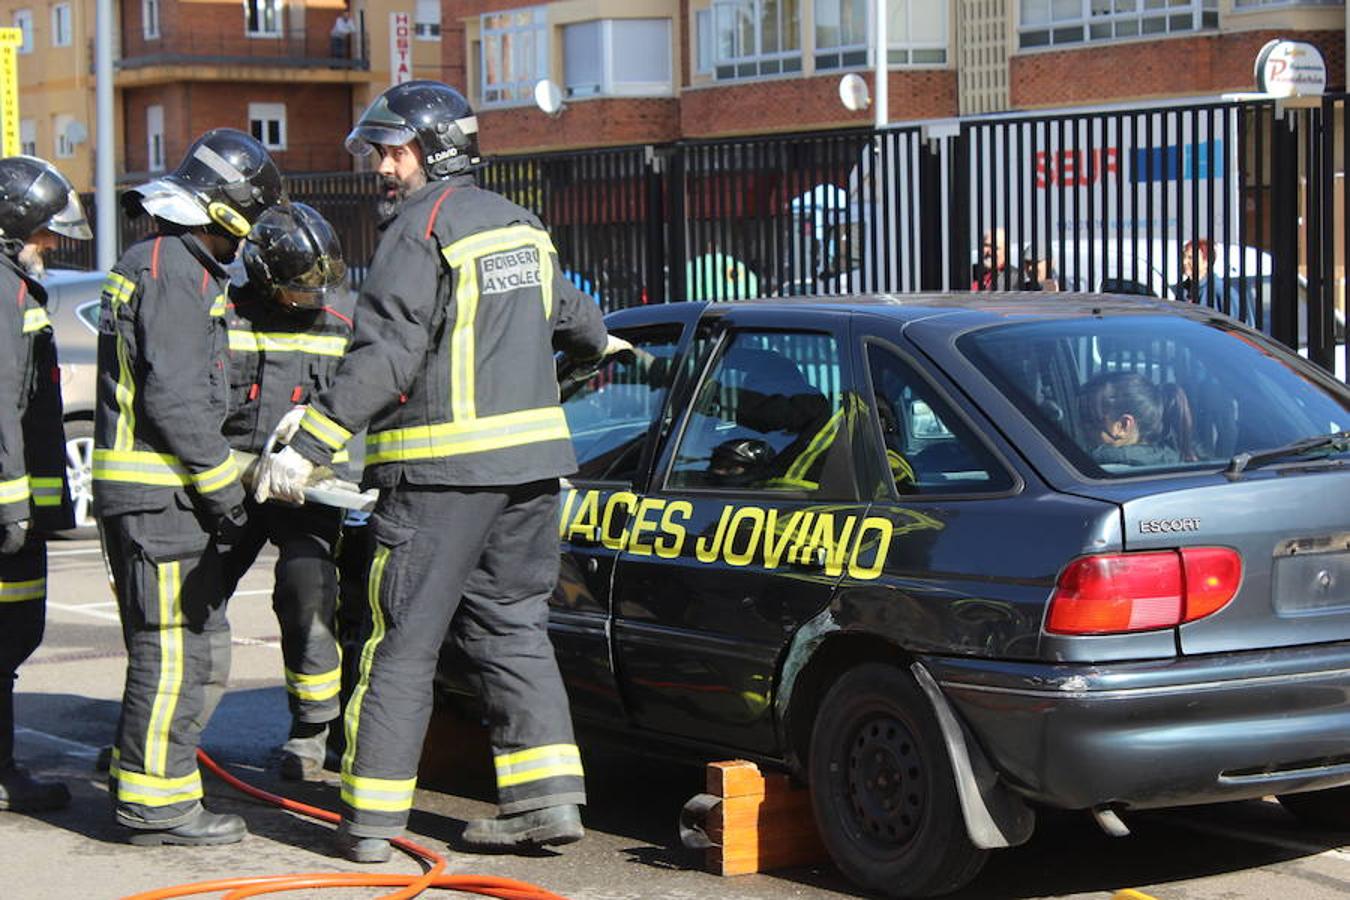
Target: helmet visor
[(172, 202), (364, 137), (301, 298), (71, 221)]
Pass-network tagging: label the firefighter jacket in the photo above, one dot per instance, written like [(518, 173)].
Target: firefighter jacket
[(279, 358), (452, 362), (32, 437), (162, 384)]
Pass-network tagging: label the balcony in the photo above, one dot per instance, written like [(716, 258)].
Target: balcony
[(286, 48)]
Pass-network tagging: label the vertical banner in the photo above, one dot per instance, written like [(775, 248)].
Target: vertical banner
[(400, 47), (11, 39)]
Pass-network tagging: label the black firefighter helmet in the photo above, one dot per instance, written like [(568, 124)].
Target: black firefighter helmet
[(34, 196), (435, 115), (227, 179), (294, 254)]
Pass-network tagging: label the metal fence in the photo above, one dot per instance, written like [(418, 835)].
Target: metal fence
[(1240, 206)]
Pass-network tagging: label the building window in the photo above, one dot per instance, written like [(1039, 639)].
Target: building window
[(514, 55), (1044, 23), (28, 137), (618, 57), (154, 137), (427, 20), (267, 123), (262, 18), (703, 25), (842, 33), (756, 37), (61, 25), (23, 20), (150, 19), (916, 33), (1254, 4), (61, 128)]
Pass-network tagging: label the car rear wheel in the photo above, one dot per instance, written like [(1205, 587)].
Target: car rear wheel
[(80, 476), (883, 790), (1323, 809)]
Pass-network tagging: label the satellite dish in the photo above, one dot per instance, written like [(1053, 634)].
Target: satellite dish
[(548, 97), (853, 92), (76, 133)]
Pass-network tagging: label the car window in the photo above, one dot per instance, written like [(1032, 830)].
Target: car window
[(929, 449), (768, 417), (89, 314), (610, 409), (1130, 395)]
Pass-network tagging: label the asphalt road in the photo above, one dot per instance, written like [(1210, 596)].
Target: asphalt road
[(67, 709)]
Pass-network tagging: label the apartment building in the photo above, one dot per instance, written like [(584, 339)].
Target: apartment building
[(270, 67), (659, 70)]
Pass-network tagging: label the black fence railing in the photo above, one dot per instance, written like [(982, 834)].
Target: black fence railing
[(1238, 206)]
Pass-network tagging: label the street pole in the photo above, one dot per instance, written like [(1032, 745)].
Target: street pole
[(105, 154), (880, 54)]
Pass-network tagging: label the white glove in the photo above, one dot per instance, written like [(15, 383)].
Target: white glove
[(282, 476), (615, 344), (289, 425)]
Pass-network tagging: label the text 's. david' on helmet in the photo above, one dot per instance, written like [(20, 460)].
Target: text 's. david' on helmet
[(34, 195), (434, 115), (226, 179), (294, 253)]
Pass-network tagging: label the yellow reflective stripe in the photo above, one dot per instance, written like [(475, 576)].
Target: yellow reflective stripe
[(323, 686), (352, 720), (819, 444), (381, 794), (219, 305), (139, 467), (170, 669), (117, 288), (16, 490), (216, 477), (48, 491), (125, 392), (538, 763), (150, 790), (282, 342), (21, 591), (330, 433), (528, 426), (342, 456), (35, 320)]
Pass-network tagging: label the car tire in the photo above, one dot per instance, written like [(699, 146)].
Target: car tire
[(1321, 809), (883, 790), (80, 477)]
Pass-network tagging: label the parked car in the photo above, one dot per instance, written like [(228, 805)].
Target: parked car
[(884, 543), (73, 305)]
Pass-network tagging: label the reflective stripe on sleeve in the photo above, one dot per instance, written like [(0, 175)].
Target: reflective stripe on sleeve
[(48, 491), (216, 477), (515, 429), (538, 763), (35, 320), (379, 794), (323, 686), (282, 342), (16, 490), (139, 467), (328, 432), (117, 288), (22, 591), (219, 305)]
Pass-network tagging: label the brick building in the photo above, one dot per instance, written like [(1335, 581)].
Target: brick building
[(658, 70)]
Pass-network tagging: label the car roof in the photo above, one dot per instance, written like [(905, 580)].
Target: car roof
[(55, 277)]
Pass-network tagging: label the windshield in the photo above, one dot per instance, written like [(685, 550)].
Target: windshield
[(1133, 395)]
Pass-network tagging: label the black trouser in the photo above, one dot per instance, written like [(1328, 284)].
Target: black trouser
[(23, 607), (167, 571), (304, 598), (497, 549)]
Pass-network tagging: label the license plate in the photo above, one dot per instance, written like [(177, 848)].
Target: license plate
[(1312, 583)]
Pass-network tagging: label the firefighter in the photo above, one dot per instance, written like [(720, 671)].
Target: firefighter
[(289, 324), (167, 487), (452, 368), (37, 203)]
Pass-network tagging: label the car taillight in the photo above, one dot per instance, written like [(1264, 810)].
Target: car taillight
[(1124, 592)]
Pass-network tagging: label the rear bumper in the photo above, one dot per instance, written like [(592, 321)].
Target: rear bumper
[(1168, 733)]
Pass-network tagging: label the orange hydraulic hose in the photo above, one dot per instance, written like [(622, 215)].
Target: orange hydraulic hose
[(412, 885)]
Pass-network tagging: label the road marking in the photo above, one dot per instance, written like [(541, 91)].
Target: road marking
[(82, 552), (86, 610), (1307, 849), (77, 748), (257, 593)]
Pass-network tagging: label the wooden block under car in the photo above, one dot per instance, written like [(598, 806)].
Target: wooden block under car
[(763, 822)]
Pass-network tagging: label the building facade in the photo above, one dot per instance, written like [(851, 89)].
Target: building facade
[(636, 71), (276, 68)]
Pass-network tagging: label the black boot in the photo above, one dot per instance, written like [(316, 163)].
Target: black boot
[(303, 754), (21, 792), (551, 826), (206, 829), (361, 849)]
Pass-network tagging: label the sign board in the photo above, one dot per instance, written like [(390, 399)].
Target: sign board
[(1291, 69), (11, 39), (400, 47)]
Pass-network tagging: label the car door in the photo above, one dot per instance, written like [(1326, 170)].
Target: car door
[(615, 411), (752, 517)]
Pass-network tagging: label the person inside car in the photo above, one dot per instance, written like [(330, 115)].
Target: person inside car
[(1131, 421)]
